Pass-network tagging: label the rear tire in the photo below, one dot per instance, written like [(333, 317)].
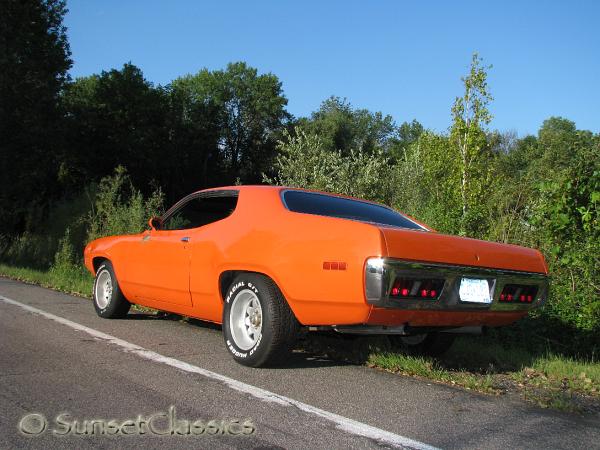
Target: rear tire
[(109, 301), (429, 344), (259, 328)]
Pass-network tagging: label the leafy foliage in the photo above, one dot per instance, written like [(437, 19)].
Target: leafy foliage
[(66, 261), (567, 215), (344, 128), (304, 162), (115, 118), (34, 59), (470, 114), (120, 208), (244, 110)]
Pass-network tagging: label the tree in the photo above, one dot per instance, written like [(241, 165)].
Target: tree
[(116, 118), (304, 161), (246, 109), (34, 60), (232, 116), (344, 128), (195, 120), (470, 115), (407, 134), (254, 112), (410, 132), (512, 197)]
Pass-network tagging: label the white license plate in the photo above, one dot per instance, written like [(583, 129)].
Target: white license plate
[(474, 290)]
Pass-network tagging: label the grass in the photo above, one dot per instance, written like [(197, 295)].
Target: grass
[(432, 370), (482, 364), (76, 281), (562, 373)]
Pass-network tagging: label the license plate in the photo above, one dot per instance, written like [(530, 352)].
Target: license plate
[(474, 290)]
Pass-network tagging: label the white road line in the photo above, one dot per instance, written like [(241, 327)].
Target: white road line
[(342, 423)]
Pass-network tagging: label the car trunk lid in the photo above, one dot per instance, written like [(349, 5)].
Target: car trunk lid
[(435, 247)]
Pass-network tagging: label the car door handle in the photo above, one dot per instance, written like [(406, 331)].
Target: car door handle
[(185, 239)]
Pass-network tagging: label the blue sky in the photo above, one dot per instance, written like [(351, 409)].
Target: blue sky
[(398, 57)]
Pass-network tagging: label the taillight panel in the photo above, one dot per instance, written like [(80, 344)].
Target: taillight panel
[(518, 293), (417, 288), (393, 283)]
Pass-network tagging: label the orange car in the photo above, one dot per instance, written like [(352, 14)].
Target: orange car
[(266, 261)]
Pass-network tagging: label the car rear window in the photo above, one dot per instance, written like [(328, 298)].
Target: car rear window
[(345, 208)]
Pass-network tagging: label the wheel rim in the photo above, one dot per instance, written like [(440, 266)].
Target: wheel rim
[(104, 289), (415, 339), (245, 319)]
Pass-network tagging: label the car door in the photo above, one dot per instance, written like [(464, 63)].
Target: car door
[(162, 269)]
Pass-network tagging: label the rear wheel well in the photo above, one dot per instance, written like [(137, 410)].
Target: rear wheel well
[(227, 277), (225, 280), (97, 261)]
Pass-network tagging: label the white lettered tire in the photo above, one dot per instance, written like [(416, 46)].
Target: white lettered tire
[(109, 301), (259, 327)]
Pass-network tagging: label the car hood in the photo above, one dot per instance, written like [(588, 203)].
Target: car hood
[(435, 247)]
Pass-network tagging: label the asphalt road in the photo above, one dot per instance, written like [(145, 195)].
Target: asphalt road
[(57, 357)]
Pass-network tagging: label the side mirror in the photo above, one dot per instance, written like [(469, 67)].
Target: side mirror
[(155, 223)]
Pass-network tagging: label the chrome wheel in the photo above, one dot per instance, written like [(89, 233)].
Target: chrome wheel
[(104, 289), (245, 319)]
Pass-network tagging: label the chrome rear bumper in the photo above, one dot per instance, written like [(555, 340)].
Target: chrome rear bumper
[(380, 274)]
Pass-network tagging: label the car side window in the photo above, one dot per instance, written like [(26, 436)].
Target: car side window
[(200, 211)]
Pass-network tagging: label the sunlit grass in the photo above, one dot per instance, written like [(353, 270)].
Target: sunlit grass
[(77, 281), (482, 364), (431, 369), (559, 372)]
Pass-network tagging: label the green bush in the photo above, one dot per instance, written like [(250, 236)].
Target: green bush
[(120, 208), (115, 206), (67, 272), (36, 247), (304, 162), (29, 249)]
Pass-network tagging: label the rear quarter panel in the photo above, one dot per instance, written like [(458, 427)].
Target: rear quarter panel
[(263, 236)]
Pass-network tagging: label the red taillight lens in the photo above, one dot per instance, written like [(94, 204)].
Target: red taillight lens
[(416, 288), (522, 292)]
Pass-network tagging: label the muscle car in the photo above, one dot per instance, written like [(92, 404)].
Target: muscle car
[(268, 262)]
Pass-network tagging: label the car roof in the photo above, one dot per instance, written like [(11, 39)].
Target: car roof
[(247, 187), (262, 187)]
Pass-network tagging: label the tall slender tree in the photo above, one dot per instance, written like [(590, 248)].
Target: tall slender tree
[(470, 116)]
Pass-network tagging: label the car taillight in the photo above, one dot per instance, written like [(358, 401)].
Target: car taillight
[(417, 288), (518, 293)]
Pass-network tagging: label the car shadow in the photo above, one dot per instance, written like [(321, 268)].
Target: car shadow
[(303, 356), (477, 354)]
